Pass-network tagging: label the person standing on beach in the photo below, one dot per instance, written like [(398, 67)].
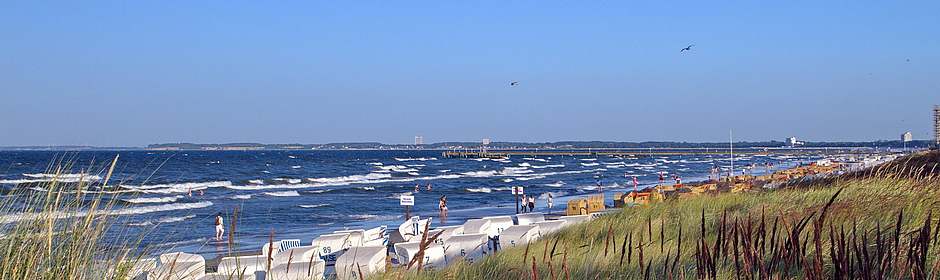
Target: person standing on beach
[(525, 203), (550, 203), (219, 227), (531, 203)]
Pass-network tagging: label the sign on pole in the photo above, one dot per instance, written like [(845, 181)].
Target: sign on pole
[(407, 200), (517, 190)]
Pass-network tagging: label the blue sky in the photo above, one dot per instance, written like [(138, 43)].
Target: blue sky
[(132, 73)]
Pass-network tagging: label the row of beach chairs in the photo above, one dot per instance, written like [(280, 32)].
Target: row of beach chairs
[(356, 254)]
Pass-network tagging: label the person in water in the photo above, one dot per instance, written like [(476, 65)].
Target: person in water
[(443, 205), (219, 227)]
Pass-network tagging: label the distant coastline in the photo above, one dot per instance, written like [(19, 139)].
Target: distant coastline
[(879, 144)]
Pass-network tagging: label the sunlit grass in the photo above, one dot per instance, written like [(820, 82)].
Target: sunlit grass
[(874, 224)]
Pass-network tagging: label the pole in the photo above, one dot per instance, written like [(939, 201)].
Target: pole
[(731, 144), (407, 212), (516, 191)]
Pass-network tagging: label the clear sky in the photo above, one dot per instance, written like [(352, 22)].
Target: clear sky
[(132, 73)]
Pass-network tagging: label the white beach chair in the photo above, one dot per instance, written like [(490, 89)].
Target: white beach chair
[(137, 269), (366, 260), (518, 235), (498, 224), (433, 255), (246, 265), (409, 229), (310, 269), (334, 245), (299, 254), (219, 276), (572, 220), (242, 265), (474, 226), (446, 232), (178, 266), (549, 227), (467, 247), (529, 218)]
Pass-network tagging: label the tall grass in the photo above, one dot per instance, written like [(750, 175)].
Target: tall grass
[(874, 224), (57, 230)]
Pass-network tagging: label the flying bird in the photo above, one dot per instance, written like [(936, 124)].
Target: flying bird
[(689, 48), (513, 83)]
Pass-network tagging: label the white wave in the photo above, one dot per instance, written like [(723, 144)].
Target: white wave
[(554, 195), (241, 196), (282, 193), (507, 180), (374, 163), (588, 159), (399, 195), (256, 182), (366, 188), (287, 180), (548, 166), (527, 178), (480, 190), (404, 170), (350, 179), (318, 191), (555, 184), (590, 164), (62, 178), (174, 219), (525, 164), (444, 170), (141, 200), (416, 165), (390, 167), (295, 166), (489, 173), (414, 174), (369, 216), (314, 205), (513, 171), (291, 157), (177, 188)]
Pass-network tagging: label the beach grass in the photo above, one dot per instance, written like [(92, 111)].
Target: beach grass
[(55, 229), (874, 224)]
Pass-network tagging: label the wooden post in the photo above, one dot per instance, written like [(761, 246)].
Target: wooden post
[(407, 212), (516, 191)]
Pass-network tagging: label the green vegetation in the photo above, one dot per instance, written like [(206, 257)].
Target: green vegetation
[(875, 224), (56, 230)]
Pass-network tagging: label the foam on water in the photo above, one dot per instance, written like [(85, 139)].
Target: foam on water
[(282, 193), (141, 200), (314, 205)]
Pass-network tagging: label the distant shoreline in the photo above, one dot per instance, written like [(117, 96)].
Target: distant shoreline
[(567, 145)]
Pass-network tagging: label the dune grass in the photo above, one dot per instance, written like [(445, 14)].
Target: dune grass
[(875, 224), (57, 230)]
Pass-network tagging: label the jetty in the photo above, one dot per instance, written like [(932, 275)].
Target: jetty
[(639, 153)]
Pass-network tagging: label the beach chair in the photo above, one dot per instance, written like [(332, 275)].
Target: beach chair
[(287, 244), (446, 232), (571, 220), (361, 262), (371, 237), (529, 218), (549, 227), (466, 247), (474, 226), (310, 269), (433, 255), (498, 224), (179, 266), (409, 229), (137, 269), (242, 265), (219, 276), (518, 235), (299, 254), (334, 245)]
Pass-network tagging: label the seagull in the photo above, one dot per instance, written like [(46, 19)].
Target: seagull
[(513, 83), (689, 48)]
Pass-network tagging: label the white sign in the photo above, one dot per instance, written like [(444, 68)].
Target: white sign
[(407, 200), (516, 190), (486, 141)]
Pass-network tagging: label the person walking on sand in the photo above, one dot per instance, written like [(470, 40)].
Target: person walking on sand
[(531, 203), (525, 203), (443, 205), (219, 228), (550, 203)]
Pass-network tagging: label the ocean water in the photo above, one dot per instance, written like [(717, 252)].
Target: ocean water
[(302, 194)]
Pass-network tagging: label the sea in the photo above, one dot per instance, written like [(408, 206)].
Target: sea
[(171, 198)]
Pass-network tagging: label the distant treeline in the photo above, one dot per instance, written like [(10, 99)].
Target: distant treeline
[(521, 145)]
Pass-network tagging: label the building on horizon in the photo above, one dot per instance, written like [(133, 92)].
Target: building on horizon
[(907, 137), (791, 142), (419, 140)]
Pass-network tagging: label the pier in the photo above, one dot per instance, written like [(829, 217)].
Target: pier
[(639, 153)]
